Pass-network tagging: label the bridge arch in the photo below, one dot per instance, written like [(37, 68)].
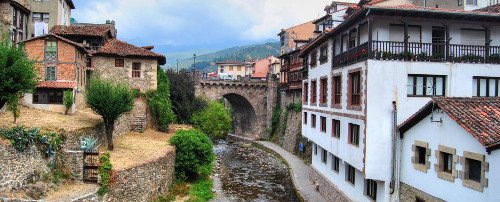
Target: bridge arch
[(248, 100)]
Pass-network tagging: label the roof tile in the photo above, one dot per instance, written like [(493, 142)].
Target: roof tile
[(116, 47)]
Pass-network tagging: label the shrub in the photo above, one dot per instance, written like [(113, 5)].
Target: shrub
[(275, 120), (22, 138), (68, 100), (214, 120), (110, 100), (159, 102), (13, 106), (104, 173), (17, 72), (201, 191), (193, 152)]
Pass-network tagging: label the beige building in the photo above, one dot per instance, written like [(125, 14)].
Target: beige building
[(234, 68), (46, 14), (127, 63), (301, 32)]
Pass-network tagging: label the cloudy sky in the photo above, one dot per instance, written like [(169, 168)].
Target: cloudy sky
[(201, 24)]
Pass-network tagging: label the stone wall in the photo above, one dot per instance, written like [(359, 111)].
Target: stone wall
[(325, 188), (105, 68), (409, 193), (143, 182), (17, 168), (71, 162)]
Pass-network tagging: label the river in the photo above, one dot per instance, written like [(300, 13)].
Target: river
[(246, 173)]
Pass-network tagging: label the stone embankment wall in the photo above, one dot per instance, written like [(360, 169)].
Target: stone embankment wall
[(325, 188), (18, 168), (143, 182)]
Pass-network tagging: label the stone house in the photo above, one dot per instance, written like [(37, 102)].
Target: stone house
[(61, 67), (14, 19), (124, 62), (449, 151), (93, 36)]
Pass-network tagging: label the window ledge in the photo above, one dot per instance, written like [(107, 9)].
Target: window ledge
[(337, 106), (421, 167), (355, 107), (323, 105), (446, 176), (472, 184)]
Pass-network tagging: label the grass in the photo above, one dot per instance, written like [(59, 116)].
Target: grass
[(201, 191), (198, 191)]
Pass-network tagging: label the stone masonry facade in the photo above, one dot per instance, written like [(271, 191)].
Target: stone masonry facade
[(325, 188), (18, 168), (144, 182), (409, 193), (105, 68)]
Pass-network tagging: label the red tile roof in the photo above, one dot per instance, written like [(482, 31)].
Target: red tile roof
[(409, 7), (77, 45), (478, 116), (57, 84), (119, 48), (96, 30), (490, 9)]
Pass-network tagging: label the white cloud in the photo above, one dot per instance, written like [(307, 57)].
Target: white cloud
[(196, 21)]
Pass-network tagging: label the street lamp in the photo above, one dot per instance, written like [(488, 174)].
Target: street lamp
[(194, 61)]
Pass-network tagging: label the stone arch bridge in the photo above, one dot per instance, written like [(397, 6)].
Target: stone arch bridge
[(252, 102)]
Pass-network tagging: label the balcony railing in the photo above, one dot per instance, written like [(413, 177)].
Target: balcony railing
[(435, 52)]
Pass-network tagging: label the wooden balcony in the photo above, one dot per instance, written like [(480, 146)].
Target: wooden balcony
[(410, 51)]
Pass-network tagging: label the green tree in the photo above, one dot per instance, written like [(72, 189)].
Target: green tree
[(182, 94), (110, 100), (193, 153), (13, 106), (68, 100), (214, 120), (17, 73), (159, 102)]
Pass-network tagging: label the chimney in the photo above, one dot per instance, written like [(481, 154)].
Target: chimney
[(148, 47)]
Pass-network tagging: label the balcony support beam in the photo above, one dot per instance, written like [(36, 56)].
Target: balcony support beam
[(370, 35), (406, 37), (487, 39)]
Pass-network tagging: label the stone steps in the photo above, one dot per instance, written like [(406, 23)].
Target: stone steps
[(139, 124)]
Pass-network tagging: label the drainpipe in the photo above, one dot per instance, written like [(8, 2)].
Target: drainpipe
[(394, 134)]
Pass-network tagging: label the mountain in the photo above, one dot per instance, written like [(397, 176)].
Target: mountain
[(207, 61)]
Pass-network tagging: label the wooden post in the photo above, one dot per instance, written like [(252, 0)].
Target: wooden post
[(447, 43), (487, 39), (370, 44), (406, 37)]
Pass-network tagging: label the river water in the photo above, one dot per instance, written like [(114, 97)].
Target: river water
[(245, 173)]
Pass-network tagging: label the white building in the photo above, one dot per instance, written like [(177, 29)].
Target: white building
[(449, 151), (379, 55)]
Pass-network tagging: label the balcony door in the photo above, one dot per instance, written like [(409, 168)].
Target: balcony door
[(438, 42)]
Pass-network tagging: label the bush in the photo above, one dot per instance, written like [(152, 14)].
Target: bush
[(193, 152), (110, 100), (22, 138), (159, 102), (214, 120), (201, 191), (104, 173), (13, 106), (68, 100)]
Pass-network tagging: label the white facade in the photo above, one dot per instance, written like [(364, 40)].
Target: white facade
[(452, 135), (382, 82)]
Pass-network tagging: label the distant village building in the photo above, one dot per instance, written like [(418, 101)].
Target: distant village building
[(449, 151), (301, 32), (45, 14), (261, 68), (383, 53), (234, 68), (60, 64)]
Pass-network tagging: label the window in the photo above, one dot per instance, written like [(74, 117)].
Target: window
[(337, 89), (421, 153), (446, 158), (336, 128), (323, 124), (313, 120), (88, 62), (354, 134), (323, 54), (335, 163), (324, 156), (426, 85), (230, 68), (239, 68), (418, 199), (350, 174), (486, 86), (324, 91), (120, 63), (352, 39), (50, 74), (41, 17), (471, 2), (355, 88), (313, 92), (314, 58), (306, 92), (48, 96), (473, 171), (421, 156), (50, 50), (136, 70), (371, 189), (305, 118)]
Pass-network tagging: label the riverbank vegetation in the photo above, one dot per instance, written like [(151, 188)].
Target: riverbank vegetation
[(214, 120), (194, 164), (159, 102), (182, 93)]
